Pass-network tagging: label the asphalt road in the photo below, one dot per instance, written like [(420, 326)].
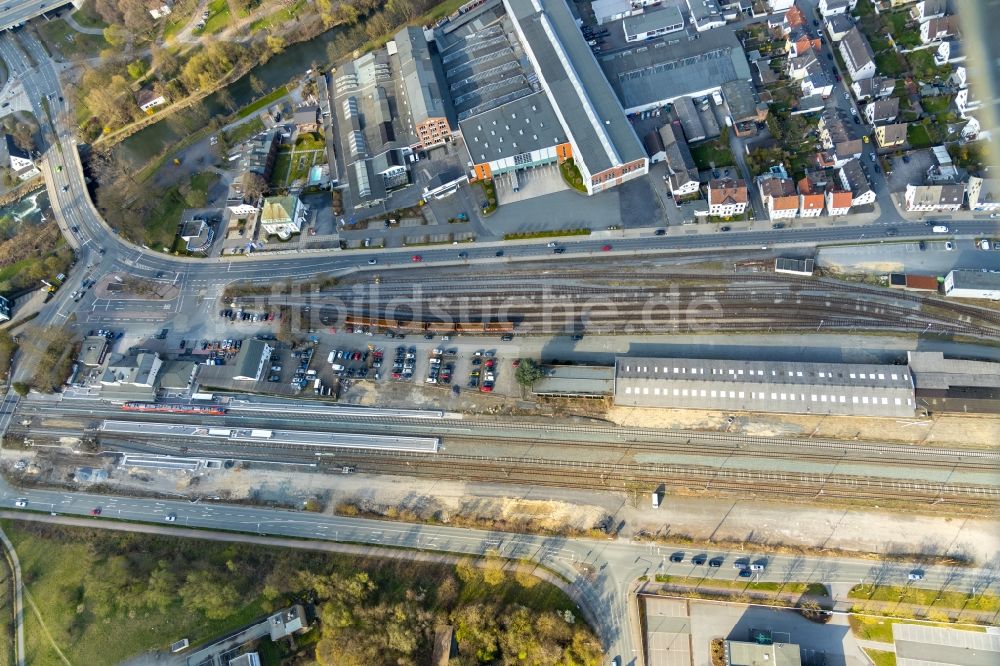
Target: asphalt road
[(615, 564), (601, 571), (16, 12)]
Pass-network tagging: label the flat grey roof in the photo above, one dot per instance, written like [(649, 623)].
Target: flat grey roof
[(769, 386), (921, 645), (969, 279), (576, 380), (675, 66), (740, 653), (653, 18), (517, 127), (578, 89), (931, 370), (419, 75)]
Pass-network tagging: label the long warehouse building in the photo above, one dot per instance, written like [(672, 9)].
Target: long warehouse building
[(765, 386)]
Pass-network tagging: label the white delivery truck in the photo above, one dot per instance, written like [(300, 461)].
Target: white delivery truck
[(261, 434), (219, 432)]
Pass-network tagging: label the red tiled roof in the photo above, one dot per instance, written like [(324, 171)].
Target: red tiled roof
[(841, 199), (812, 201), (785, 203)]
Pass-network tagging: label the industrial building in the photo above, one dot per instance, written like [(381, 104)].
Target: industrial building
[(388, 103), (652, 23), (795, 266), (765, 386), (251, 360), (973, 284), (955, 385), (764, 653), (923, 645), (673, 67), (604, 146), (575, 381)]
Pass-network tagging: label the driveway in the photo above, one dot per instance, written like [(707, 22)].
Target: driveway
[(531, 183)]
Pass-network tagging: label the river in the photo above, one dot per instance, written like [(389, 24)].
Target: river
[(296, 59), (27, 210)]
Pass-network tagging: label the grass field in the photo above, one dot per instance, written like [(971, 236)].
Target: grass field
[(934, 598), (879, 629), (244, 131), (791, 588), (262, 102), (936, 105), (88, 19), (218, 18), (918, 136), (90, 588), (712, 154), (881, 657), (161, 227), (279, 17), (67, 41)]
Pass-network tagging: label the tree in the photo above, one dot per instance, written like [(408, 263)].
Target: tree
[(257, 85), (528, 372), (275, 43), (213, 596), (137, 69), (254, 186), (116, 35), (226, 99), (21, 388)]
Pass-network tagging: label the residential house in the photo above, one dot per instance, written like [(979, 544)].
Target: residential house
[(874, 88), (158, 9), (777, 192), (282, 216), (943, 170), (148, 99), (196, 233), (836, 135), (775, 6), (727, 197), (606, 11), (800, 41), (934, 197), (890, 136), (246, 659), (828, 8), (925, 10), (811, 199), (652, 23), (984, 194), (858, 55), (838, 26), (838, 202), (306, 119), (937, 29), (966, 102), (816, 80), (682, 172), (852, 178), (17, 159), (793, 19), (705, 14), (881, 111)]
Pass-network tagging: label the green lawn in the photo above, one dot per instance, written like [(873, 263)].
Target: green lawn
[(161, 227), (310, 141), (86, 17), (262, 102), (936, 105), (889, 63), (279, 17), (918, 136), (70, 43), (873, 628), (244, 131), (282, 165), (712, 154), (913, 595), (571, 175), (218, 17), (881, 657), (923, 67), (792, 588), (204, 181)]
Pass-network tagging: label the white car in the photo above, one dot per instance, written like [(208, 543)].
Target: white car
[(916, 574), (170, 518), (949, 246), (21, 503), (372, 262)]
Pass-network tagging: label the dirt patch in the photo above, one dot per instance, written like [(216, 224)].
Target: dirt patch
[(124, 287), (980, 430)]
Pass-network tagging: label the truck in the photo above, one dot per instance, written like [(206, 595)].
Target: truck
[(261, 434), (317, 386), (219, 432)]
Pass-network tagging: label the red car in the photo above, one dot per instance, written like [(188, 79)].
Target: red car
[(417, 257), (486, 389), (606, 248), (489, 363), (516, 362), (96, 511)]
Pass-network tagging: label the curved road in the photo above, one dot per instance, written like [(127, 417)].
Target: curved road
[(601, 571)]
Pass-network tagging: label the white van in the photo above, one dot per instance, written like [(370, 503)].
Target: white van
[(939, 229)]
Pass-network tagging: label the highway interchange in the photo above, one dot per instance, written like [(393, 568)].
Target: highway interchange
[(602, 572)]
